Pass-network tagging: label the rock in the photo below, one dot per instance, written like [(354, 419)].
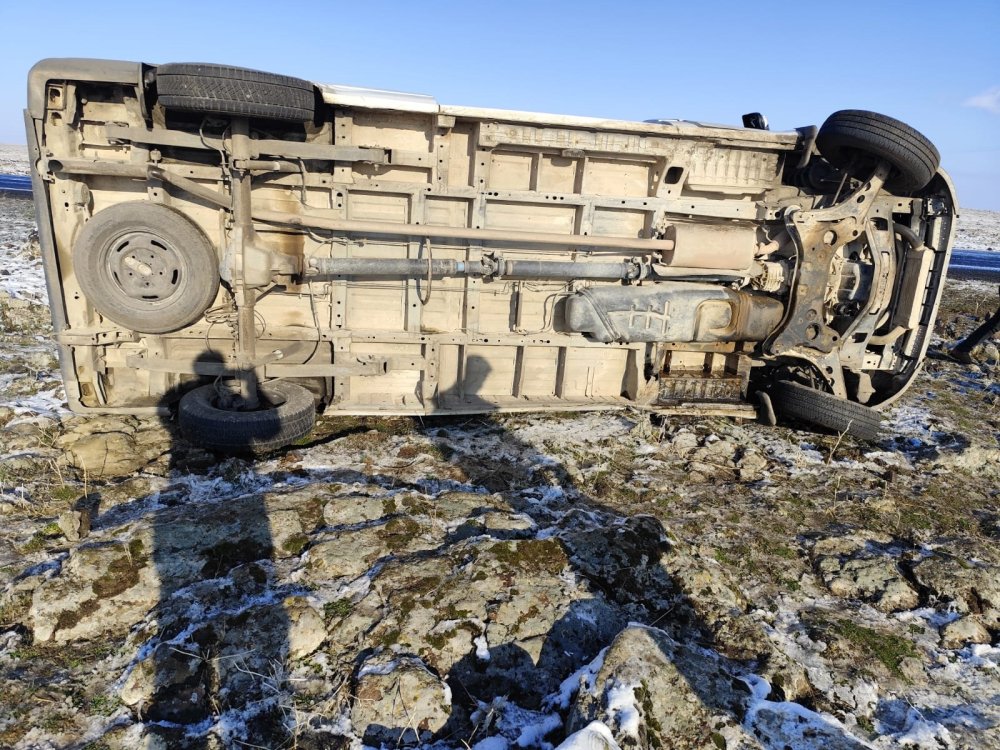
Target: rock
[(107, 454), (970, 586), (655, 692), (864, 567), (508, 597), (165, 667), (710, 600), (80, 426), (101, 588), (74, 524), (986, 353), (912, 668), (535, 642), (876, 580), (625, 557), (352, 510), (33, 462), (723, 449), (843, 543), (751, 466), (898, 596), (495, 523), (306, 629), (714, 459), (789, 678), (452, 507), (962, 632), (398, 701), (106, 586), (153, 438), (683, 443), (33, 427), (106, 446), (232, 660), (348, 554)]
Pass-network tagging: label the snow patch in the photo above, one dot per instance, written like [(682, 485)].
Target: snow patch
[(383, 668), (51, 403), (582, 679), (923, 734), (620, 699), (788, 724), (482, 647), (981, 655), (532, 735), (496, 742), (594, 736)]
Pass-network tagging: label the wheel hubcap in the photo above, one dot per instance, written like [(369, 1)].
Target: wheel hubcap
[(144, 267)]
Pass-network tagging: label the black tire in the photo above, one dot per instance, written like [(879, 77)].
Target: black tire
[(823, 409), (854, 136), (146, 267), (224, 90), (288, 413)]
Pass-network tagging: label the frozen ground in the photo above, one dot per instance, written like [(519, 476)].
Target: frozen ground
[(13, 159), (978, 230), (584, 581)]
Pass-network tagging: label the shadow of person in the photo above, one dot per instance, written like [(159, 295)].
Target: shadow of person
[(213, 669), (620, 555)]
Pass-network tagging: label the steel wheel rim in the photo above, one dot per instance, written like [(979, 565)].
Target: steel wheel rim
[(144, 269)]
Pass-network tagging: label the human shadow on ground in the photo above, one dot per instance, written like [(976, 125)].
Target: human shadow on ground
[(217, 657), (620, 556)]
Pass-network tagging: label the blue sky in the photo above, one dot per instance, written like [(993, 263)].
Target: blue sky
[(934, 65)]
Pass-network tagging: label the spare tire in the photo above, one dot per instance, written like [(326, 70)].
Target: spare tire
[(225, 90), (823, 409), (145, 266), (287, 412), (857, 140)]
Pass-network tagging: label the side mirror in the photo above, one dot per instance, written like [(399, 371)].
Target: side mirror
[(755, 121)]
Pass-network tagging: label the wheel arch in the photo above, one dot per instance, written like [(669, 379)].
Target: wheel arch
[(942, 187)]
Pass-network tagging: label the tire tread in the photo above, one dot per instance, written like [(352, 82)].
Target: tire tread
[(221, 89), (247, 431), (825, 410), (913, 157)]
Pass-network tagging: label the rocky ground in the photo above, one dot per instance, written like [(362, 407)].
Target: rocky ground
[(594, 581)]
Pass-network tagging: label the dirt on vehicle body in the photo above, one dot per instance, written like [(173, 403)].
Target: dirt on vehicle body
[(253, 245)]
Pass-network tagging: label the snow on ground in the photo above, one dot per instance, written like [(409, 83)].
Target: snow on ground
[(978, 230), (21, 274), (13, 159)]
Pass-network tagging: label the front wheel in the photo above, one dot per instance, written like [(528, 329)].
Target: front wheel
[(856, 140), (800, 402), (287, 412)]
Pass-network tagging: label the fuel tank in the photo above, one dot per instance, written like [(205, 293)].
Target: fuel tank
[(672, 311)]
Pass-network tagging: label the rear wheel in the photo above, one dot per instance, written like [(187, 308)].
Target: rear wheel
[(240, 92), (822, 409), (856, 140), (287, 412)]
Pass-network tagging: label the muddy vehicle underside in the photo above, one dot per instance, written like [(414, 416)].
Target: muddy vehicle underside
[(244, 237)]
